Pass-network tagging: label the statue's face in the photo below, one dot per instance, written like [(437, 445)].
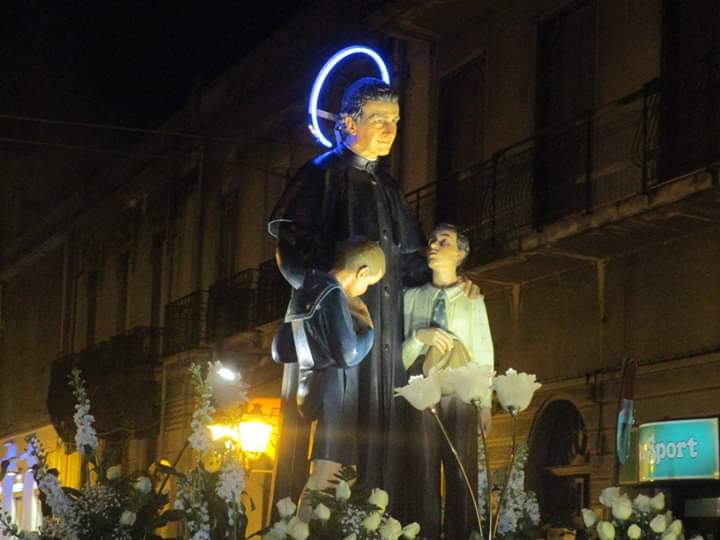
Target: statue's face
[(374, 132), (361, 281), (443, 251)]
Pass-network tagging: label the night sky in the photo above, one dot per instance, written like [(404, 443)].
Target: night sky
[(129, 62)]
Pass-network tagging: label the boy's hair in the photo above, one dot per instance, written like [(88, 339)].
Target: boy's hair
[(355, 252), (463, 242)]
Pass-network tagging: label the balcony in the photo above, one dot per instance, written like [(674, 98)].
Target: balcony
[(633, 147), (120, 381), (186, 323), (273, 293), (232, 304)]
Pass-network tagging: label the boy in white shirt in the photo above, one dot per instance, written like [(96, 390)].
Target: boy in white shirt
[(439, 315)]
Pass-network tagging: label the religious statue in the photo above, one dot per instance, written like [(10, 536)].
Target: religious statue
[(328, 332), (340, 194), (444, 328)]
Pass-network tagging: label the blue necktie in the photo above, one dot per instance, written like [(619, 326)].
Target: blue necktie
[(439, 312)]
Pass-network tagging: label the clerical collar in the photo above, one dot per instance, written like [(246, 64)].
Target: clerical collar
[(356, 160)]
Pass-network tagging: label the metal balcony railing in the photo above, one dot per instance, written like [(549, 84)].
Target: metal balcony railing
[(623, 149), (119, 375), (232, 304), (186, 323), (273, 293)]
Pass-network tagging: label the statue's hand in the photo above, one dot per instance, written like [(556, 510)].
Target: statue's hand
[(436, 337), (471, 290), (360, 313)]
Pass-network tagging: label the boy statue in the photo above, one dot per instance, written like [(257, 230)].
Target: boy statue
[(328, 332), (445, 325)]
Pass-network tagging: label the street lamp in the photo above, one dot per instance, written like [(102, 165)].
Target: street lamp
[(255, 431)]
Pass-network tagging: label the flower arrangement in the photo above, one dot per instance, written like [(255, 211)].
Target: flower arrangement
[(520, 516), (341, 512), (118, 506), (472, 384), (643, 517), (209, 496), (115, 506)]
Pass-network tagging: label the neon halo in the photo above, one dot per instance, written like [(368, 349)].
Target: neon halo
[(335, 59)]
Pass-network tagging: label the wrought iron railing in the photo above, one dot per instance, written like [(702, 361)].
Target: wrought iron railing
[(620, 150), (273, 293), (120, 382), (232, 304), (186, 323)]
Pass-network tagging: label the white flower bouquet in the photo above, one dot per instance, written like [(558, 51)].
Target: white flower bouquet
[(640, 518), (209, 496), (341, 513), (520, 516), (115, 506)]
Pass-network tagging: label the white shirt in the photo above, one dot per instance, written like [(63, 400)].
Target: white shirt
[(467, 320)]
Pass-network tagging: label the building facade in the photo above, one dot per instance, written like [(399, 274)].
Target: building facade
[(575, 142)]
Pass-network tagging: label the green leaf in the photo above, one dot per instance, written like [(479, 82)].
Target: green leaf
[(165, 469), (166, 517)]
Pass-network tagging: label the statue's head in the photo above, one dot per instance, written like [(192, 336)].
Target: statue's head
[(359, 263), (448, 246), (368, 118)]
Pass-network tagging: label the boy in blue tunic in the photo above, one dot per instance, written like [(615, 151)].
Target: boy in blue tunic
[(328, 332)]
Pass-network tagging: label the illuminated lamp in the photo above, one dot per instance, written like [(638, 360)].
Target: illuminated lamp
[(226, 373), (313, 124), (255, 432)]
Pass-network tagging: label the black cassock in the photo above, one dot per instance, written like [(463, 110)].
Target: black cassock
[(337, 195)]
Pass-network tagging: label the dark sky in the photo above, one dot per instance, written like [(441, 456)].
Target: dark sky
[(131, 62)]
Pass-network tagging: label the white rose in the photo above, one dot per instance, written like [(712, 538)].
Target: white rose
[(515, 390), (669, 535), (297, 529), (114, 472), (608, 495), (658, 524), (589, 517), (372, 522), (658, 502), (379, 498), (351, 536), (605, 530), (322, 512), (676, 527), (634, 532), (642, 503), (421, 392), (411, 531), (342, 491), (128, 518), (279, 529), (470, 383), (286, 507), (143, 485), (391, 529), (621, 508)]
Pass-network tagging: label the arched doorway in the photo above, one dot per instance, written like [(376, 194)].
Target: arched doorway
[(558, 465)]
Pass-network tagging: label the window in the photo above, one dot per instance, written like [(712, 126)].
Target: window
[(156, 263), (565, 82), (227, 241), (91, 295), (461, 114), (123, 290)]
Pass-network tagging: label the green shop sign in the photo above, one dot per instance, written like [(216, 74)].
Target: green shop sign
[(679, 450)]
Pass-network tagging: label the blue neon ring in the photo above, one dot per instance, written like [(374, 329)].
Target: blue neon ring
[(313, 124)]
